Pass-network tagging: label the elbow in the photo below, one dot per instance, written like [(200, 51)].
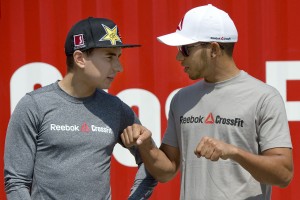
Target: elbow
[(162, 175), (287, 173), (163, 178), (286, 181), (284, 184)]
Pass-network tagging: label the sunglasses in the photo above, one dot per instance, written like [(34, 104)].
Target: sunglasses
[(184, 49)]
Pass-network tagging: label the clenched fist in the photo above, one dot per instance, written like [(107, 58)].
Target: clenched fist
[(135, 135), (214, 149)]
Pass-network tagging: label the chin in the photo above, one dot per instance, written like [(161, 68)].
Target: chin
[(193, 78), (102, 87)]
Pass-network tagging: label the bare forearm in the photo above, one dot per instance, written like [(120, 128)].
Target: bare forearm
[(157, 163), (274, 166), (162, 163), (270, 168)]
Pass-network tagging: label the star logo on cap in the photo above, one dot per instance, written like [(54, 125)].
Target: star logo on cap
[(111, 35)]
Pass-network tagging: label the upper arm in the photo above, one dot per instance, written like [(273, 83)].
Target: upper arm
[(20, 146), (272, 124), (284, 156), (282, 165)]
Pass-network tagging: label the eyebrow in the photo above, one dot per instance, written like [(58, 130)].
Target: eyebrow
[(112, 54)]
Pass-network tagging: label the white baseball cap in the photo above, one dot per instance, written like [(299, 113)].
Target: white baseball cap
[(205, 24)]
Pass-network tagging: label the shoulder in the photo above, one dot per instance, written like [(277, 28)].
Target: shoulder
[(108, 98), (42, 91), (189, 92), (258, 86), (111, 100), (117, 105), (195, 87), (32, 96)]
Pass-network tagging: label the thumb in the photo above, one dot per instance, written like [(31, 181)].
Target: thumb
[(145, 135), (139, 141)]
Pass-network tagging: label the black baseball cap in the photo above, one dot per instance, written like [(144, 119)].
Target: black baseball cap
[(94, 33)]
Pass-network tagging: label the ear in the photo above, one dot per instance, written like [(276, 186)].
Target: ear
[(215, 49), (79, 59)]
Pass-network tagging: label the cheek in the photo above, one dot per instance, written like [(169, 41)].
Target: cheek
[(203, 56), (98, 69), (199, 63), (93, 71)]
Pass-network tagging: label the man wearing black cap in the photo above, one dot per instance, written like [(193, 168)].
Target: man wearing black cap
[(227, 133), (60, 138)]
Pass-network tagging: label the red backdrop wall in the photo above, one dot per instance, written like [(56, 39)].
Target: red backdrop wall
[(34, 31)]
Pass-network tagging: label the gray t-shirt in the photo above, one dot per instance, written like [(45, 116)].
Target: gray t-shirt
[(242, 111), (60, 147)]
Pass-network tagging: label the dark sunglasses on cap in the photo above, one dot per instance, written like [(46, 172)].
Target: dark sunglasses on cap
[(184, 49)]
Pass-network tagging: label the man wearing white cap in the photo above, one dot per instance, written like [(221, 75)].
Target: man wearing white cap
[(227, 133)]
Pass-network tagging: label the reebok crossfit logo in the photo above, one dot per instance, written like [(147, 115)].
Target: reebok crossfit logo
[(191, 119), (85, 128), (220, 38), (72, 128), (210, 119)]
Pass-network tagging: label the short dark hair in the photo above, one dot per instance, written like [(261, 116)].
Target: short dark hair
[(228, 48), (70, 59)]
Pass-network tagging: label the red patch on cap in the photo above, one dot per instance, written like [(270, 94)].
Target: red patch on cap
[(78, 40)]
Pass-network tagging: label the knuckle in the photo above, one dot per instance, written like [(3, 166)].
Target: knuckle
[(205, 138)]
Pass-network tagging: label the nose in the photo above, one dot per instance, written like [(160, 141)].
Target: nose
[(179, 56), (118, 66)]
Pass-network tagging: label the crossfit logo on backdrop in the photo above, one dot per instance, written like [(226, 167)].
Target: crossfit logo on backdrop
[(210, 119)]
